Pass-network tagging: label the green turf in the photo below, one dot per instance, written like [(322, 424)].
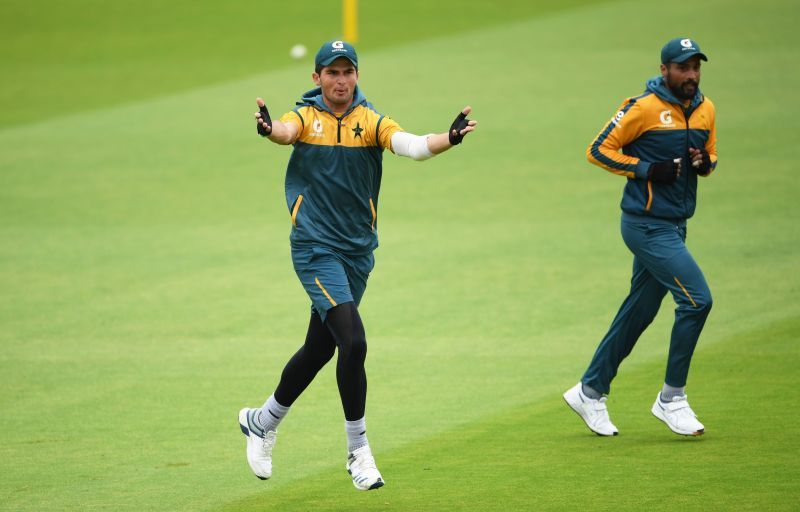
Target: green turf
[(66, 57), (147, 291), (529, 457)]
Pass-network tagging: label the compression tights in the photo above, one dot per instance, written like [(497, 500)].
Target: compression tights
[(343, 330)]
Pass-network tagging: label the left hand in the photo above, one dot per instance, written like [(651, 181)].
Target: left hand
[(461, 126), (700, 160)]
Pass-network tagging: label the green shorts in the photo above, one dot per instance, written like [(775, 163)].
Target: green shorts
[(331, 278)]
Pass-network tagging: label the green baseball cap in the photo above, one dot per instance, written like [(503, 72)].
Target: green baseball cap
[(680, 49), (332, 50)]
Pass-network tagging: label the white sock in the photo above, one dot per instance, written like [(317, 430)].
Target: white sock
[(271, 414), (356, 434)]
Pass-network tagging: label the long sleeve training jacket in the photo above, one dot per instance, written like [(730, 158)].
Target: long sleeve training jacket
[(653, 127)]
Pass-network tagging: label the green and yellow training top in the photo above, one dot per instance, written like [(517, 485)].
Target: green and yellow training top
[(653, 127), (334, 174)]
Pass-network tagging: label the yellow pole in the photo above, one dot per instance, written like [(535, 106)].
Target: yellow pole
[(350, 20)]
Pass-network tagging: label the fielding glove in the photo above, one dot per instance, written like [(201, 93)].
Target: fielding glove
[(664, 172), (459, 124), (704, 166), (264, 113)]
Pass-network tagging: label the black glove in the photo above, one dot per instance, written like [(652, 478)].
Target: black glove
[(705, 164), (459, 124), (664, 172), (264, 132)]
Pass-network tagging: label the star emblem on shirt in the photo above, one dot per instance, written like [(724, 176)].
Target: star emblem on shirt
[(357, 130)]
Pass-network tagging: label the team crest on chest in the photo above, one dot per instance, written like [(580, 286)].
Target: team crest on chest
[(357, 131)]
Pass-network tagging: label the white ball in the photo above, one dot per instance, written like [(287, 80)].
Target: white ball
[(298, 51)]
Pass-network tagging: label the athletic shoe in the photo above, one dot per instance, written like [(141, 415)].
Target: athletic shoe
[(361, 466), (679, 417), (259, 444), (593, 412)]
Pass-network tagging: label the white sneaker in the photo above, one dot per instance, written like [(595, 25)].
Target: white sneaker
[(593, 412), (259, 444), (679, 417), (361, 466)]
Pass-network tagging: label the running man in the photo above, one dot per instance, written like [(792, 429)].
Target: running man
[(332, 184), (661, 141)]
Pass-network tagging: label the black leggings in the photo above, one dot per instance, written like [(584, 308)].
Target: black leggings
[(342, 329)]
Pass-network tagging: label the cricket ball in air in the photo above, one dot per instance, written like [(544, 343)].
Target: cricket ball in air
[(298, 51)]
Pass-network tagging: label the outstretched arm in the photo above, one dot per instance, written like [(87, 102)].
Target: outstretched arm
[(461, 127), (424, 147), (276, 131)]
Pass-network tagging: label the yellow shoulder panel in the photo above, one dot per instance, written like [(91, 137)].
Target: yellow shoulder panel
[(660, 115), (358, 128), (703, 117), (320, 127)]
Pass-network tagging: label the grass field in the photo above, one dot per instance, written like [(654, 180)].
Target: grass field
[(147, 294)]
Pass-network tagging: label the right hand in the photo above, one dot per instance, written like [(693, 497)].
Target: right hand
[(665, 172), (263, 121)]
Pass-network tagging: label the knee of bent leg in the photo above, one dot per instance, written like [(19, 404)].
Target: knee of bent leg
[(704, 302), (325, 353), (357, 349), (360, 346)]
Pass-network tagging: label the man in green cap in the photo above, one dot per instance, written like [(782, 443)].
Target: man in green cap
[(332, 185), (661, 141)]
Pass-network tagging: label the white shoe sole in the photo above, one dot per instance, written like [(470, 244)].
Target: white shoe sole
[(376, 485), (657, 413)]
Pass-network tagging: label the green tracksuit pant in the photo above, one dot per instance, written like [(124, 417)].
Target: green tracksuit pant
[(661, 263)]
